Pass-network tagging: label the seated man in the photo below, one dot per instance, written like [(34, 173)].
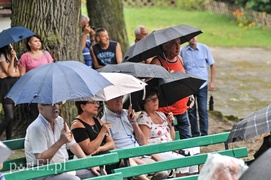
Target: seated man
[(47, 139), (125, 130)]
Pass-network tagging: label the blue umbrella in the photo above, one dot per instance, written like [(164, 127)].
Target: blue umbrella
[(58, 81), (13, 35)]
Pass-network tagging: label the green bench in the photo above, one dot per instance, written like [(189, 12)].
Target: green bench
[(14, 144), (75, 164), (131, 171), (126, 172), (176, 163)]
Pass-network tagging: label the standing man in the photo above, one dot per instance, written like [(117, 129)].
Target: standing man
[(105, 51), (140, 33), (88, 39), (172, 61), (197, 57), (47, 140)]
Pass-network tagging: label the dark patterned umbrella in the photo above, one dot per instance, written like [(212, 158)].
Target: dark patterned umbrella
[(256, 124), (150, 45)]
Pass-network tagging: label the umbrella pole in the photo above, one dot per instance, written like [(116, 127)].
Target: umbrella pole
[(64, 117), (164, 56), (12, 49)]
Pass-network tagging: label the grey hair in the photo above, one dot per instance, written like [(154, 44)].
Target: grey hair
[(83, 18), (137, 29)]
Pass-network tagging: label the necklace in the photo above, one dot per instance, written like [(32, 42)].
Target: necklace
[(93, 128)]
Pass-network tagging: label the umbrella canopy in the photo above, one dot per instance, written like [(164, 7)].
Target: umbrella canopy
[(170, 90), (58, 81), (259, 169), (150, 45), (13, 35), (138, 70), (178, 86), (122, 84), (256, 124)]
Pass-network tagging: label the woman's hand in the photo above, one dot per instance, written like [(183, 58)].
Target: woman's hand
[(106, 127), (170, 118)]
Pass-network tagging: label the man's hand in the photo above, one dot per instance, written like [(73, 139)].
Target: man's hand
[(65, 137), (131, 114)]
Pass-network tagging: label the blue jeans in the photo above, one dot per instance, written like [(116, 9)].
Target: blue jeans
[(183, 126), (201, 104)]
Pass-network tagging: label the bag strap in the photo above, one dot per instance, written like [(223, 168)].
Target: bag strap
[(45, 54)]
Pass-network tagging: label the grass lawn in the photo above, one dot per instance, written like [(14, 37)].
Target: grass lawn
[(218, 30)]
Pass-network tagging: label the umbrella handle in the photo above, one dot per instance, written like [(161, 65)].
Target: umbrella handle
[(63, 116)]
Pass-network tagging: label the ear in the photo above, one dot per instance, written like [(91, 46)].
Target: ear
[(98, 38)]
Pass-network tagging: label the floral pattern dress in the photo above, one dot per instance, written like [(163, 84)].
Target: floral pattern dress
[(159, 133)]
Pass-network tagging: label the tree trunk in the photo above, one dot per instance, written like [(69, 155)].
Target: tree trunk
[(58, 23), (109, 15)]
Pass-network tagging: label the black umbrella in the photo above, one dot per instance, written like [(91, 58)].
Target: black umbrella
[(259, 169), (256, 124), (170, 90), (149, 46), (138, 70), (178, 86)]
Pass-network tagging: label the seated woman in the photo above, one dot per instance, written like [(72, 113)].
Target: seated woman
[(158, 128), (90, 133)]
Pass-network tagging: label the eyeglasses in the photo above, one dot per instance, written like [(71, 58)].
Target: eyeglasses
[(57, 104), (152, 99), (93, 102)]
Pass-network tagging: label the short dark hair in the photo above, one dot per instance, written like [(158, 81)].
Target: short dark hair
[(150, 91), (78, 106), (29, 39), (98, 31)]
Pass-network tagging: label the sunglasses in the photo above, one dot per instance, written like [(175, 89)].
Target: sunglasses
[(93, 102)]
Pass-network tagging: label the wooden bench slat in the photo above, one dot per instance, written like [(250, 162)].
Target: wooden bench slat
[(15, 144), (192, 177), (176, 163), (174, 145), (13, 163), (70, 165), (114, 176)]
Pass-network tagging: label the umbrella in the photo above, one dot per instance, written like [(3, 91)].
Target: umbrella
[(150, 45), (13, 35), (259, 169), (138, 70), (170, 90), (122, 84), (256, 124), (178, 86), (58, 81)]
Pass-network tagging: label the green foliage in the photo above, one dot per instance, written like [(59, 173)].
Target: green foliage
[(218, 30), (257, 5)]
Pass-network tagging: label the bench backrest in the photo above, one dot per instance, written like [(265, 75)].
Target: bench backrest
[(51, 169), (14, 144), (176, 163), (174, 145)]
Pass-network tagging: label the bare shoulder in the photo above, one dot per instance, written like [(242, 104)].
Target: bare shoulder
[(76, 124)]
